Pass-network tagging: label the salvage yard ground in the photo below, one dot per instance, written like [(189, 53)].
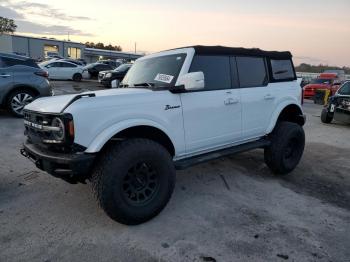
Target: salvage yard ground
[(231, 209)]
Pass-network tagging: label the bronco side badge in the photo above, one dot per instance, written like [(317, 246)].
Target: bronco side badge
[(167, 107)]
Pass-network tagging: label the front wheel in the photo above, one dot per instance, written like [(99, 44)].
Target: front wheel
[(286, 149), (326, 117), (133, 180)]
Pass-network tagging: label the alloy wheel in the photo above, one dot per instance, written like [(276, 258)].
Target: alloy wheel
[(140, 184), (19, 101)]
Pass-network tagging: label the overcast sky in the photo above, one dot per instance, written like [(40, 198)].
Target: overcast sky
[(315, 31)]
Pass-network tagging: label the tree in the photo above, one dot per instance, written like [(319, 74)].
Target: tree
[(7, 25), (100, 45)]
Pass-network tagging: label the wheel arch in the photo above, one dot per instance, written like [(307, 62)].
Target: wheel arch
[(19, 87), (144, 130), (290, 112)]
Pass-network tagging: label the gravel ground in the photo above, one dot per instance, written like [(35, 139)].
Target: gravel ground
[(231, 209)]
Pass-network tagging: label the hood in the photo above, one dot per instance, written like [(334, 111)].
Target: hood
[(55, 104)]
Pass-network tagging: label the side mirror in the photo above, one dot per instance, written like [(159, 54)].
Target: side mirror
[(192, 81)]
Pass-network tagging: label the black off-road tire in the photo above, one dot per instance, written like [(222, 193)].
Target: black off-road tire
[(112, 173), (77, 77), (326, 117), (286, 149)]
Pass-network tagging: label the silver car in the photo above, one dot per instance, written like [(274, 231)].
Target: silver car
[(21, 81)]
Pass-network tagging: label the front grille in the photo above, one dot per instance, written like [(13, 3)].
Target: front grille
[(33, 122)]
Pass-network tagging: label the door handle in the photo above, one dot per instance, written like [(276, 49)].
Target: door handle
[(3, 75), (269, 97), (231, 101)]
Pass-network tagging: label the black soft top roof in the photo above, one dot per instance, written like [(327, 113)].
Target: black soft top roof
[(223, 50)]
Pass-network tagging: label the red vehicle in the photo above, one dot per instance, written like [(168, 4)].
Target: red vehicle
[(328, 81)]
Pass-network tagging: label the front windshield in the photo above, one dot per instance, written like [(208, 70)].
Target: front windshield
[(161, 71), (345, 89), (321, 81), (122, 68)]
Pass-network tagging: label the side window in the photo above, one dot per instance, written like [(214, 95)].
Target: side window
[(55, 64), (251, 71), (216, 71), (1, 64), (7, 62), (68, 65), (282, 69)]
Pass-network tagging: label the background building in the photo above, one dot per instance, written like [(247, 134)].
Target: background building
[(38, 48)]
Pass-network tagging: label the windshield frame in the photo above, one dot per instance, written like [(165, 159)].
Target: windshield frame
[(189, 53)]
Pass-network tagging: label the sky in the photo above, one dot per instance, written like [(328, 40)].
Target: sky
[(314, 31)]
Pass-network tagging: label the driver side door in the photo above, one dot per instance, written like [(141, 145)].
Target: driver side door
[(212, 116)]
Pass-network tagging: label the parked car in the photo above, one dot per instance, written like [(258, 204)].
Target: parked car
[(63, 70), (329, 81), (21, 81), (82, 61), (177, 108), (338, 106), (109, 62), (106, 77), (53, 55), (95, 68)]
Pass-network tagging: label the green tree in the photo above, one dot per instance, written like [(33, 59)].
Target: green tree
[(7, 25), (100, 45)]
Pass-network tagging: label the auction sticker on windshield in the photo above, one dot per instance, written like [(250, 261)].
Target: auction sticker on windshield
[(164, 78)]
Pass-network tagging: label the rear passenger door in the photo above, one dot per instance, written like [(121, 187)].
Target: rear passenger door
[(212, 117), (258, 99)]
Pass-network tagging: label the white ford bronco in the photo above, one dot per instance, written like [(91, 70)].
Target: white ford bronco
[(174, 109)]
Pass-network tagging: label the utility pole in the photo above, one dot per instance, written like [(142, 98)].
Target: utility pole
[(135, 47)]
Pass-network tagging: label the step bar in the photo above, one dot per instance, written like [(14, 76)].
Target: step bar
[(196, 160)]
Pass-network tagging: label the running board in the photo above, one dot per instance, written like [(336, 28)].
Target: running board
[(188, 162)]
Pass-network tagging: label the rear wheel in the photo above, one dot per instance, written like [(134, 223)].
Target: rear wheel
[(18, 99), (77, 77), (133, 180), (326, 117), (286, 149)]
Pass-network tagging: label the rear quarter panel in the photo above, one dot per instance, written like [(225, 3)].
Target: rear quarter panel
[(287, 93)]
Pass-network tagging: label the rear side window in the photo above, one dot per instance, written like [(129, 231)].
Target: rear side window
[(7, 62), (282, 69), (216, 71), (251, 71)]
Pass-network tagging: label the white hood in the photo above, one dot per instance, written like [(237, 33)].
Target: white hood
[(55, 104)]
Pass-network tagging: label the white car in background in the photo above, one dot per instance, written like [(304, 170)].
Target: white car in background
[(64, 70)]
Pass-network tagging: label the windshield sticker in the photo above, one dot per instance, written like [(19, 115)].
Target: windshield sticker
[(164, 78)]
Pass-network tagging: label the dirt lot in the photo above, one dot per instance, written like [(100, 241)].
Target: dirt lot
[(231, 209)]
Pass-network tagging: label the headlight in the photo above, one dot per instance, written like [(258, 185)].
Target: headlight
[(58, 134), (108, 75)]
